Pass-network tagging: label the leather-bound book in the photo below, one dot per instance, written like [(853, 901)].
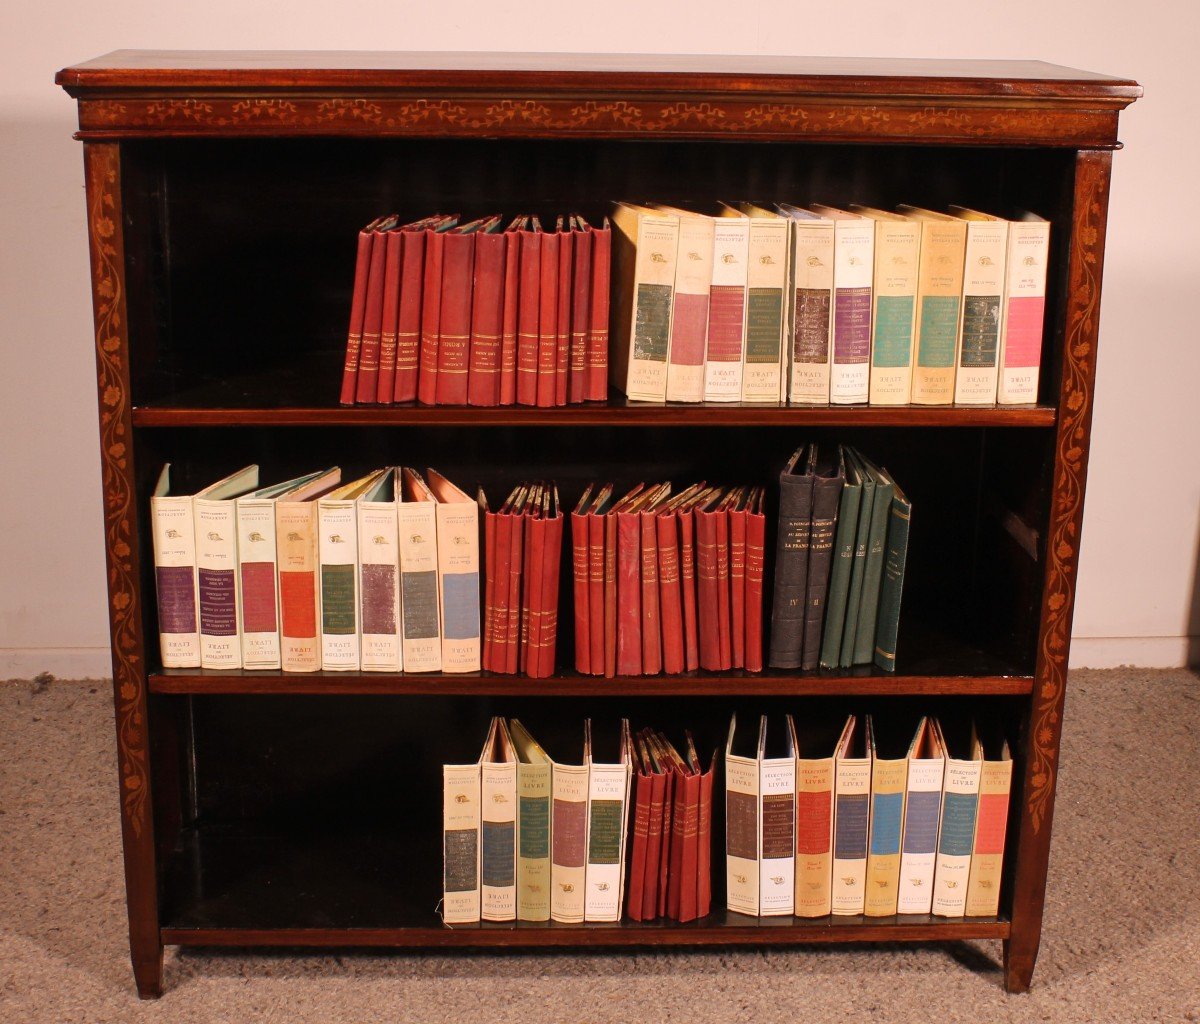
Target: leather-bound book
[(579, 578), (724, 610), (596, 520), (610, 580), (529, 311), (367, 384), (358, 309), (581, 292), (844, 539), (737, 579), (454, 328), (431, 316), (791, 559), (689, 861), (497, 650), (708, 584), (629, 585), (891, 586), (547, 345), (828, 478), (547, 636), (507, 393), (597, 341), (516, 570), (651, 627), (409, 310), (562, 335), (487, 315), (643, 786), (687, 577), (756, 533)]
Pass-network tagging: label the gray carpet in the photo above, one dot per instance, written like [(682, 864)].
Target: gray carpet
[(1121, 942)]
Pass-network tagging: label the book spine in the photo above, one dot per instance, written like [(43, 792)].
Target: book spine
[(368, 358), (581, 316), (777, 871), (756, 531), (812, 312), (547, 345), (939, 302), (956, 837), (666, 851), (827, 492), (498, 555), (689, 860), (408, 317), (458, 584), (511, 304), (839, 576), (1024, 312), (647, 296), (868, 613), (654, 846), (358, 307), (639, 846), (421, 637), (737, 587), (741, 835), (888, 781), (489, 588), (175, 579), (393, 259), (296, 556), (724, 598), (568, 843), (610, 595), (982, 307), (431, 317), (528, 314), (498, 848), (548, 625), (669, 594), (487, 319), (337, 546), (454, 327), (217, 583), (725, 349), (259, 604), (987, 856), (766, 284), (531, 593), (897, 254), (679, 814), (460, 843), (581, 593), (516, 566), (379, 586), (652, 662), (891, 586), (533, 841), (708, 590), (857, 572), (689, 318), (854, 267), (562, 338), (814, 836), (704, 856), (608, 787), (687, 589), (595, 529), (629, 594), (597, 342), (791, 570), (851, 811), (922, 807)]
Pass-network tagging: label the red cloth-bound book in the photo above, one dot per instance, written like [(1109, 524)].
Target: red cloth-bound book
[(707, 586), (358, 309), (654, 845), (597, 347), (629, 594), (669, 594), (408, 315), (651, 628), (528, 314), (671, 782), (580, 591), (724, 616), (454, 329), (756, 530), (531, 592), (502, 565), (507, 384), (562, 343), (687, 586), (392, 260), (368, 357), (547, 624), (737, 580), (612, 592), (547, 350), (704, 842), (689, 861), (595, 528), (431, 313), (581, 312), (639, 842), (487, 318), (516, 571), (489, 586)]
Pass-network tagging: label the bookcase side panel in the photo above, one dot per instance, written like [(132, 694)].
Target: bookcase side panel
[(1044, 727)]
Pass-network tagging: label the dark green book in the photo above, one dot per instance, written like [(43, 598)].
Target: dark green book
[(828, 477), (887, 624), (881, 509), (843, 559), (859, 563), (791, 559)]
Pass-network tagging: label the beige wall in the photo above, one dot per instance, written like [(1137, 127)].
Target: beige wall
[(1137, 580)]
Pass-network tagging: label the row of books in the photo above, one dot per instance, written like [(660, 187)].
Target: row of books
[(527, 838), (839, 565), (668, 583), (380, 574), (872, 824), (479, 314), (821, 305)]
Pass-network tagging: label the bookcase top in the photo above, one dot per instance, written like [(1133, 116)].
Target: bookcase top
[(151, 70)]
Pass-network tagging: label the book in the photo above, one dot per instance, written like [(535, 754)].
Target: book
[(724, 597), (1024, 309), (767, 277), (529, 305), (582, 241), (756, 531), (458, 574), (725, 344), (891, 585), (568, 840), (791, 558), (511, 292), (939, 298), (881, 511), (991, 822), (689, 316), (889, 779), (704, 835), (409, 307), (811, 305), (922, 812), (367, 384), (814, 822), (548, 296), (579, 577), (431, 314), (629, 582), (956, 831), (844, 543), (777, 820), (851, 814), (686, 513), (858, 568), (597, 342), (215, 514), (487, 314), (534, 784), (454, 320), (358, 309), (379, 574), (853, 276), (670, 598), (174, 538), (897, 258), (546, 633), (416, 522), (498, 560), (393, 258), (461, 820), (608, 799), (737, 577), (742, 836), (562, 337), (984, 266), (652, 647), (640, 879), (498, 825), (708, 516), (611, 541), (596, 519), (829, 474), (645, 246)]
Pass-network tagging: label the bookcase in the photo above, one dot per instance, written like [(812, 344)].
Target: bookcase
[(224, 191)]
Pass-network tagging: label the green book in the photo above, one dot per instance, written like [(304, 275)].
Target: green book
[(887, 624), (858, 566), (881, 509), (843, 559)]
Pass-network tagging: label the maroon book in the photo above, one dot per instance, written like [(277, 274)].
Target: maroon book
[(724, 616), (687, 587), (595, 527), (547, 625), (489, 586), (610, 594), (408, 317), (666, 852), (528, 312), (629, 594), (654, 845), (704, 857), (756, 530), (651, 629), (597, 348), (707, 587), (431, 310), (358, 308), (670, 598), (502, 568), (531, 593), (487, 319), (581, 313), (689, 861), (639, 843), (547, 350), (516, 569), (454, 328), (368, 356), (562, 344), (392, 258), (506, 393), (581, 588), (737, 581)]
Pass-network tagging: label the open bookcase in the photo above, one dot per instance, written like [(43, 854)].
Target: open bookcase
[(224, 192)]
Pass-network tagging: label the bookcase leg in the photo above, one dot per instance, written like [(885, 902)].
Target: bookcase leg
[(1019, 958), (148, 972)]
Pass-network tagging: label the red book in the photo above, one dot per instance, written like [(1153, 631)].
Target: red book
[(454, 329), (528, 312), (654, 844), (651, 630), (595, 527), (368, 356), (580, 577), (507, 384), (611, 573), (724, 617), (669, 594), (689, 861), (639, 843), (531, 593), (358, 308), (487, 318), (547, 350), (678, 843), (707, 586), (501, 568), (597, 347), (562, 344), (666, 852), (547, 623), (629, 593), (431, 311), (489, 587), (737, 580), (704, 842), (581, 312), (687, 587), (408, 316), (756, 530), (516, 566), (392, 258)]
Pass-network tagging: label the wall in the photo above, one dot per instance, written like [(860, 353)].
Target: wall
[(1137, 582)]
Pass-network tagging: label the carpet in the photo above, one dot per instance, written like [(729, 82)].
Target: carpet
[(1121, 939)]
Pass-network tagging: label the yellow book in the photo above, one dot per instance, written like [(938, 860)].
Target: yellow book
[(889, 779)]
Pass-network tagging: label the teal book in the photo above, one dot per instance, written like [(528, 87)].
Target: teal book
[(881, 509), (843, 559), (859, 563), (887, 623)]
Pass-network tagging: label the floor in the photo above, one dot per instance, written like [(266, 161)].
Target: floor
[(1121, 941)]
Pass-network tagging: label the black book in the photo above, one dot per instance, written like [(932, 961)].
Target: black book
[(791, 559), (828, 478)]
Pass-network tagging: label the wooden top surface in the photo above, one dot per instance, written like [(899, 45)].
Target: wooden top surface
[(471, 71)]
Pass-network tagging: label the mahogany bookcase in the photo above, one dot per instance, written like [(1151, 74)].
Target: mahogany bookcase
[(224, 191)]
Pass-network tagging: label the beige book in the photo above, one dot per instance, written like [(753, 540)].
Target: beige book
[(1024, 310), (379, 575), (853, 278), (939, 305), (956, 831), (987, 857), (725, 346), (810, 306), (645, 244), (607, 828), (889, 778), (922, 812), (776, 822), (851, 816), (689, 314), (498, 826), (984, 266), (897, 257), (534, 785), (742, 834), (767, 277), (458, 574), (568, 841), (460, 843), (416, 522), (814, 831)]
